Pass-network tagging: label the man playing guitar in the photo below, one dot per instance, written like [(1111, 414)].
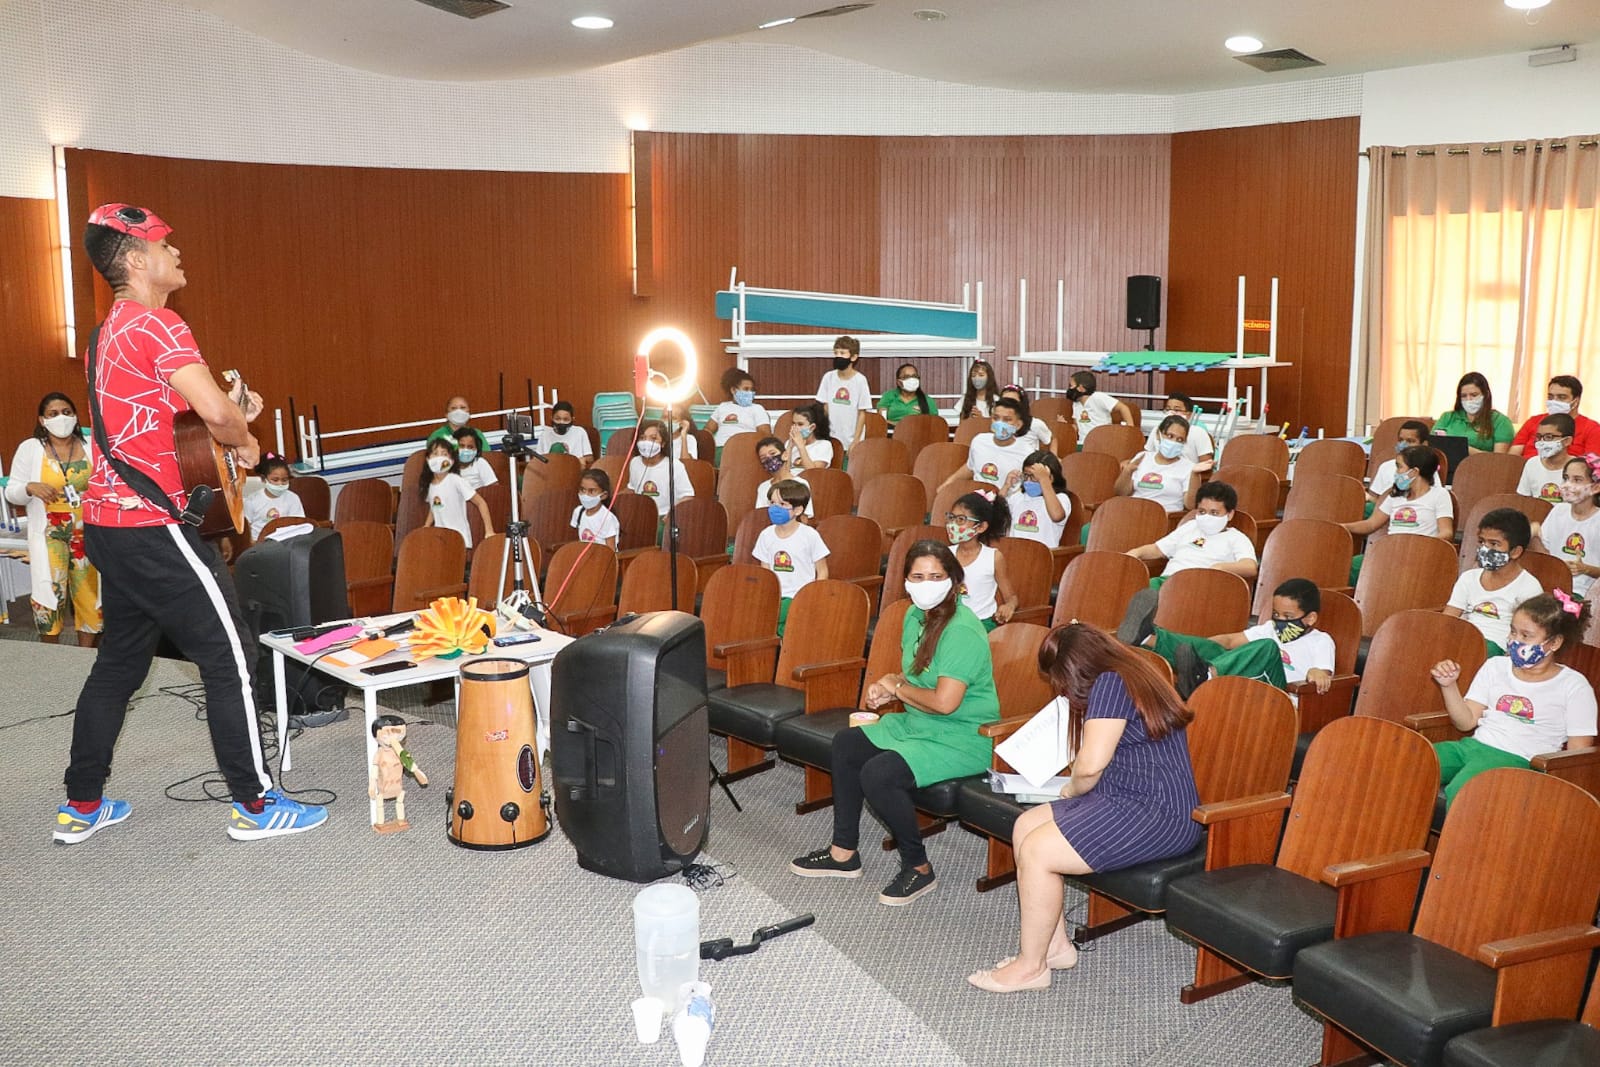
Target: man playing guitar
[(156, 575)]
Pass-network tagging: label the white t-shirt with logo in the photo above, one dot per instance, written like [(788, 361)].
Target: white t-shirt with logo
[(730, 418), (574, 442), (601, 526), (1187, 548), (1037, 435), (1093, 411), (793, 559), (1165, 483), (1031, 519), (1528, 719), (1419, 516), (652, 481), (261, 508), (1311, 651), (993, 463), (816, 451), (1572, 541), (478, 473), (1490, 609), (1383, 478), (447, 503), (1539, 481), (845, 400), (1199, 442)]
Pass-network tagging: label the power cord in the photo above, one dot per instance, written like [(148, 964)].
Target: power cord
[(702, 877)]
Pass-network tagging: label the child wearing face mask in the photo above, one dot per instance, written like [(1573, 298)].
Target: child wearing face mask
[(1475, 418), (447, 494), (1571, 532), (1092, 409), (739, 413), (1541, 475), (994, 457), (456, 414), (844, 393), (769, 453), (1164, 475), (1199, 444), (810, 439), (647, 471), (975, 522), (1413, 433), (982, 391), (593, 519), (1207, 540), (470, 464), (1035, 434), (562, 436), (789, 548), (276, 500), (1037, 498), (1522, 704), (1487, 595), (1414, 506), (907, 398), (1284, 650)]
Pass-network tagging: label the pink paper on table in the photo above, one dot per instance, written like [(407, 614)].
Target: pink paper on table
[(312, 645)]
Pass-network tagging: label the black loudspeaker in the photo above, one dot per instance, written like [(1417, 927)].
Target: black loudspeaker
[(630, 745), (1144, 302), (298, 581)]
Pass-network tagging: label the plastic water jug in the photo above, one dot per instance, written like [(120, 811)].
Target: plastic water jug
[(666, 940)]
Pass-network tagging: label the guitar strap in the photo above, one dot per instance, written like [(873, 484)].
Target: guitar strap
[(138, 480)]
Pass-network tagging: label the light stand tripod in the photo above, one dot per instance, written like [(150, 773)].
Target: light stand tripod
[(515, 553)]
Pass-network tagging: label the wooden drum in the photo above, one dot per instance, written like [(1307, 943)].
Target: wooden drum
[(495, 802)]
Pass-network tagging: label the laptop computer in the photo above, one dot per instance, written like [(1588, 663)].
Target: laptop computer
[(1455, 450)]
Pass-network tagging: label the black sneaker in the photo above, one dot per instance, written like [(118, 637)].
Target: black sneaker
[(908, 885), (1189, 671), (821, 864)]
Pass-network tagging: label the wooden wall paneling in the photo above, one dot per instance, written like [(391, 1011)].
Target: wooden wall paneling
[(1264, 201), (32, 346)]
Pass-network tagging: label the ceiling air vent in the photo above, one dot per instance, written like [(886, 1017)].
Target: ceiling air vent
[(830, 12), (467, 9), (1279, 59)]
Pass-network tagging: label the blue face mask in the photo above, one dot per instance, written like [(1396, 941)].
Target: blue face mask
[(1403, 482), (805, 431), (779, 514), (1525, 655), (1003, 431), (1169, 448), (468, 456), (1033, 488), (744, 397)]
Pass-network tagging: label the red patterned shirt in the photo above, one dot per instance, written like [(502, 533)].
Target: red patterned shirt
[(140, 349)]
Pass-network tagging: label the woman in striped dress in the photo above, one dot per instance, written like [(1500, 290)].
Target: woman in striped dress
[(1128, 801)]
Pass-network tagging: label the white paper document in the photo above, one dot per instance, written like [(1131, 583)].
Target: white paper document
[(1018, 786), (1040, 748)]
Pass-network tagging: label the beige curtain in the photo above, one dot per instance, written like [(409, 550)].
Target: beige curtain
[(1444, 238), (1561, 317)]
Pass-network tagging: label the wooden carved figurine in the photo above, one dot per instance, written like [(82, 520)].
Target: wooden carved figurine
[(386, 777)]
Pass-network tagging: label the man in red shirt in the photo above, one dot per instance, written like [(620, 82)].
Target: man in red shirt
[(1561, 398), (156, 575)]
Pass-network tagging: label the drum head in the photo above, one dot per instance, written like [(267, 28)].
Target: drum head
[(493, 670)]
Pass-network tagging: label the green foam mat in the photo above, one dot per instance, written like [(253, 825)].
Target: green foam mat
[(1130, 362)]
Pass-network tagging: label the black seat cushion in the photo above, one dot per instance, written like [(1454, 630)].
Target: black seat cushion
[(808, 739), (1255, 915), (986, 811), (1402, 995), (716, 679), (1144, 885), (939, 799), (1546, 1043), (752, 712)]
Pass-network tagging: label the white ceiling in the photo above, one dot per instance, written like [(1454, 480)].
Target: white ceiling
[(1101, 46)]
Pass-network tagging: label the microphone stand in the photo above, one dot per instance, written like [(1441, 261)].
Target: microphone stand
[(515, 552)]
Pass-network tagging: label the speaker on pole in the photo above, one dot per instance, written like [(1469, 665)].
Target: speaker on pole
[(629, 744), (1144, 302)]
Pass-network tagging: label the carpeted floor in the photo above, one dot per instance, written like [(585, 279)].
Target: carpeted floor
[(161, 940)]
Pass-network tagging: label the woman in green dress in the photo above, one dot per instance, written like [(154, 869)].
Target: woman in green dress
[(907, 398), (1475, 418), (946, 688)]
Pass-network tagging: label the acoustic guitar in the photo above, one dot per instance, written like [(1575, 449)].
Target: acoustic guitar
[(204, 462)]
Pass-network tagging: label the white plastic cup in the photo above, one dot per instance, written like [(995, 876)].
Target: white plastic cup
[(648, 1012), (691, 1027)]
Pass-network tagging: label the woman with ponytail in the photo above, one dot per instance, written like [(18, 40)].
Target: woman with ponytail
[(945, 691), (1128, 801)]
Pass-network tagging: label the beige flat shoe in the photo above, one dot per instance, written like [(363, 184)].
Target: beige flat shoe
[(986, 981), (1055, 963)]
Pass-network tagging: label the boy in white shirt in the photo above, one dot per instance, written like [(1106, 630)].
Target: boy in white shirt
[(469, 464), (1412, 433), (562, 436), (1541, 475), (1092, 409), (789, 548), (1284, 650), (1207, 540), (1199, 445), (844, 392), (1487, 595), (994, 456)]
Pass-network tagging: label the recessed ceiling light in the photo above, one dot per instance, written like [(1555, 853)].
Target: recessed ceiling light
[(776, 23), (929, 14), (593, 22), (1242, 44), (1527, 5)]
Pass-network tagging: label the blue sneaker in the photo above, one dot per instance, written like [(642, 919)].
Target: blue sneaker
[(72, 827), (279, 815)]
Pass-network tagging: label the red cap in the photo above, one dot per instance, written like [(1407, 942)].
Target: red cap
[(135, 221)]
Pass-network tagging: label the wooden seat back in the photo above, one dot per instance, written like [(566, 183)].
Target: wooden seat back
[(1396, 682), (408, 511), (1383, 438), (917, 432), (1265, 450), (1258, 490), (1241, 742), (703, 534), (1096, 587), (854, 550), (1119, 442), (498, 500), (647, 583), (873, 425), (1327, 496), (1030, 567), (1155, 663), (1484, 474), (315, 495), (875, 456), (750, 526), (581, 587), (1467, 524), (739, 450), (947, 497), (1203, 602), (1092, 476), (559, 471), (548, 514), (884, 651), (1302, 548), (736, 486), (702, 475), (1404, 571), (936, 462), (827, 622), (1014, 650), (616, 468), (431, 564), (1549, 571), (638, 519), (368, 565), (740, 604), (832, 492), (1340, 619), (893, 501), (487, 557), (1345, 458), (971, 427), (367, 500), (1124, 523)]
